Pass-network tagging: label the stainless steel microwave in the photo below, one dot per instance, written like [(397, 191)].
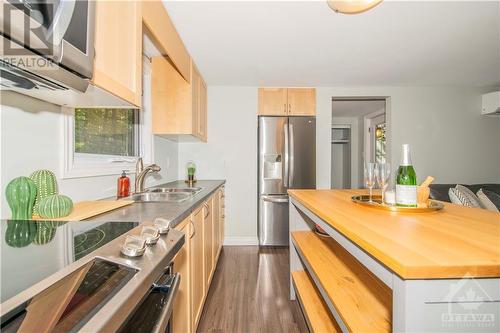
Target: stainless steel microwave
[(60, 32)]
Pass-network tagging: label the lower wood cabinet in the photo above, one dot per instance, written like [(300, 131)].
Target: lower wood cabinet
[(198, 282), (208, 227), (196, 261), (181, 320)]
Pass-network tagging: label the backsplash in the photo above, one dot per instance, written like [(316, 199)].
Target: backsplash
[(32, 140)]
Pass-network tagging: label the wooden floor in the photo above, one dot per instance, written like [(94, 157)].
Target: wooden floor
[(250, 293)]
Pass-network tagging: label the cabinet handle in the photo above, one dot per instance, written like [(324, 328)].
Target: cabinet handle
[(289, 108), (208, 209), (194, 228), (284, 108)]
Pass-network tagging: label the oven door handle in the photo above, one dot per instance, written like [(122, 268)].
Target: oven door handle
[(173, 286)]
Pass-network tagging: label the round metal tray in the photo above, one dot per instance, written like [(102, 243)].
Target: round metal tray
[(432, 205)]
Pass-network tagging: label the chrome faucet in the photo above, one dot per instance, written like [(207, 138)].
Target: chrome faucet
[(141, 172)]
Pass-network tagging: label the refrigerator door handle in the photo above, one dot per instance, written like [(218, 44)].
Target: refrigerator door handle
[(292, 157), (275, 199), (287, 158)]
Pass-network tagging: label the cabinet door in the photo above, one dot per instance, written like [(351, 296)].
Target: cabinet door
[(222, 215), (202, 110), (273, 102), (170, 99), (195, 99), (118, 49), (198, 284), (216, 227), (181, 317), (302, 101), (207, 234)]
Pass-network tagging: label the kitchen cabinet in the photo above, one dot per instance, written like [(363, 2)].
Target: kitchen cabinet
[(198, 283), (118, 49), (222, 210), (170, 99), (216, 226), (160, 27), (199, 104), (287, 102), (208, 239), (197, 259), (273, 102), (181, 317), (179, 108)]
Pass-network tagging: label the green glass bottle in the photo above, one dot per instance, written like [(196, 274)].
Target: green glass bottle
[(406, 181)]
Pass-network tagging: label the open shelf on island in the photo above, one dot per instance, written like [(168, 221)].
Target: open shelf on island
[(361, 300), (318, 316)]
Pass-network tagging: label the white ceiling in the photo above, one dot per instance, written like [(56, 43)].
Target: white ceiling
[(307, 44), (356, 108)]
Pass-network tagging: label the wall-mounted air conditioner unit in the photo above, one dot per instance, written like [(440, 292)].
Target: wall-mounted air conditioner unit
[(491, 104)]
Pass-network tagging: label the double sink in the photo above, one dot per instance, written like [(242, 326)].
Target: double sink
[(165, 194)]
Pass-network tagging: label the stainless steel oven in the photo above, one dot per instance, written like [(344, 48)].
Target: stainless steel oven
[(61, 31), (154, 312)]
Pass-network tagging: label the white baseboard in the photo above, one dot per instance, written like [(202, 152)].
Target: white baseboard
[(240, 241)]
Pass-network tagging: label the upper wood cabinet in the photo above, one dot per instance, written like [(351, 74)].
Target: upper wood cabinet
[(118, 49), (179, 108), (160, 28), (273, 102), (287, 101)]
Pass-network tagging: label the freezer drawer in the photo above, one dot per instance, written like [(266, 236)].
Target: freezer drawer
[(273, 220)]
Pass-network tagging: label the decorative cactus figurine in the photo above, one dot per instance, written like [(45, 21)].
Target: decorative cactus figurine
[(46, 185), (20, 233), (44, 234), (55, 206), (21, 194)]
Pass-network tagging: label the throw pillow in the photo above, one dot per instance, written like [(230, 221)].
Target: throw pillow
[(489, 200), (464, 191), (461, 198)]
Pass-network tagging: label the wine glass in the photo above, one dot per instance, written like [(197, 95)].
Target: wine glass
[(370, 177), (382, 173)]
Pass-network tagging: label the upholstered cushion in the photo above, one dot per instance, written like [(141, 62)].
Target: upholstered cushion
[(489, 200), (440, 191), (461, 195)]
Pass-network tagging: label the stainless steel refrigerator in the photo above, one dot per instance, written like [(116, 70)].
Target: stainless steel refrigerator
[(287, 160)]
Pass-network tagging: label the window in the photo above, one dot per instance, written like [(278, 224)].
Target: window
[(107, 132), (101, 141)]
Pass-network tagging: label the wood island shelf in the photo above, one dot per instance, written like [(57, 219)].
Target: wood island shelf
[(363, 302), (380, 271), (318, 316)]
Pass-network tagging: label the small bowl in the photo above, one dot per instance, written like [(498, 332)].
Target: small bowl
[(162, 225), (150, 235), (134, 246)]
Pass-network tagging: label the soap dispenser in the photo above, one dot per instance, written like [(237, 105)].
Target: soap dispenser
[(123, 189)]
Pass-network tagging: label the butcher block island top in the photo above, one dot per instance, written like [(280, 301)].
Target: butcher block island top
[(452, 243)]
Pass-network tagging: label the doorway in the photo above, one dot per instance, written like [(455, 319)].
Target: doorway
[(359, 133)]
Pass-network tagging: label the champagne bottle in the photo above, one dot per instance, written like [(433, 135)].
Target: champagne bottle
[(406, 181)]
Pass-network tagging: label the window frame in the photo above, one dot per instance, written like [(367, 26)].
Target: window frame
[(79, 165)]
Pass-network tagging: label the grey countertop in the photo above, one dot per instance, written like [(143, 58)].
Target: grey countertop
[(176, 212)]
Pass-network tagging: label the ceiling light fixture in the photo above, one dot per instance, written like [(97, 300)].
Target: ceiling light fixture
[(352, 6)]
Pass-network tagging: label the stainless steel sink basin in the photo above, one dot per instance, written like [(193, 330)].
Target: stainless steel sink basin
[(189, 190), (159, 197), (165, 194)]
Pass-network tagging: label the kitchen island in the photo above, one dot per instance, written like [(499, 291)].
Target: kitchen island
[(380, 271)]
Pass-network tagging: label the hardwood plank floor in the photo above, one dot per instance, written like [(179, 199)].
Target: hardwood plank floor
[(250, 293)]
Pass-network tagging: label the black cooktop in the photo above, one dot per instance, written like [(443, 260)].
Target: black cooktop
[(31, 251)]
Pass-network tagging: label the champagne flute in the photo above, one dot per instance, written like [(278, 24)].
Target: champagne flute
[(370, 177), (382, 173)]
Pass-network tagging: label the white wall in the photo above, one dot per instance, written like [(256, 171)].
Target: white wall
[(31, 132), (231, 154)]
